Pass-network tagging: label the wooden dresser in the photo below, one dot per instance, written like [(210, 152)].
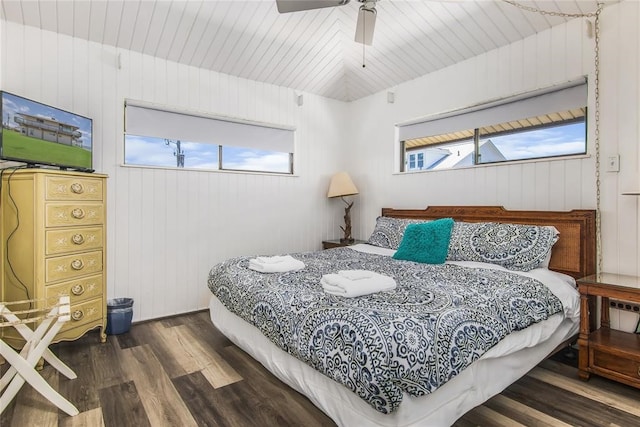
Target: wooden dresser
[(53, 243)]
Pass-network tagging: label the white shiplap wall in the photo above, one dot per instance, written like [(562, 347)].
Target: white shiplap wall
[(561, 54), (166, 228)]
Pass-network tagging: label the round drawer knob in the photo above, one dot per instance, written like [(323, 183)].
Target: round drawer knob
[(77, 213), (77, 315), (77, 264), (78, 239), (77, 289), (77, 188)]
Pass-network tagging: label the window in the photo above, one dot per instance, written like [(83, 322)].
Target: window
[(415, 161), (412, 161), (543, 124), (150, 151), (158, 137)]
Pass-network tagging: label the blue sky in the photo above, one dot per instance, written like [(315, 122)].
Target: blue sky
[(154, 152), (12, 104), (552, 141)]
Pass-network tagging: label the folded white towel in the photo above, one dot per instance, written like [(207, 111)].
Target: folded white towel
[(357, 274), (274, 259), (337, 284), (283, 264)]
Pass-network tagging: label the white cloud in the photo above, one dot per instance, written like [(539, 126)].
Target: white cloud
[(142, 151), (276, 162), (556, 141)]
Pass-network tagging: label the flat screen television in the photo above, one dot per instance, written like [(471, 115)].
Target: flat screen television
[(39, 134)]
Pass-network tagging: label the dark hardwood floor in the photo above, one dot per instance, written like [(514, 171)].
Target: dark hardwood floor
[(182, 372)]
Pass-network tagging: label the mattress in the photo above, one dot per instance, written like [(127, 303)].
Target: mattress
[(512, 358)]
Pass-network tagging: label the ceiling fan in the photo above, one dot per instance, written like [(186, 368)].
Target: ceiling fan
[(366, 15)]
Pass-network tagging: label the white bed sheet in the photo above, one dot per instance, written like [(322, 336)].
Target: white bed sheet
[(513, 357)]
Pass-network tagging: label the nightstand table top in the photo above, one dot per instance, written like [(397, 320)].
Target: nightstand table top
[(338, 242), (613, 280)]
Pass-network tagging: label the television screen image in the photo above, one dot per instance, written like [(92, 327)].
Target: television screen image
[(39, 134)]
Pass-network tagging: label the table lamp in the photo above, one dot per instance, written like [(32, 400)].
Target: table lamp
[(341, 185)]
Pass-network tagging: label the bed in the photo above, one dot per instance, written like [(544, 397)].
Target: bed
[(379, 359)]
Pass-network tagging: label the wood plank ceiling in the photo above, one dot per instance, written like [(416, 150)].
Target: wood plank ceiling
[(311, 51)]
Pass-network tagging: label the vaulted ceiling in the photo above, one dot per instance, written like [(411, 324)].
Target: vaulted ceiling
[(311, 51)]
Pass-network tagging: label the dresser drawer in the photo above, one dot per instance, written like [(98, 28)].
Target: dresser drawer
[(73, 188), (59, 241), (79, 289), (83, 313), (628, 367), (70, 214), (70, 266)]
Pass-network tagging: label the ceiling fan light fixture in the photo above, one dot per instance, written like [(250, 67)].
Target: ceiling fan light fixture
[(366, 23)]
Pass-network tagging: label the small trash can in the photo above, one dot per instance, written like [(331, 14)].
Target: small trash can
[(119, 315)]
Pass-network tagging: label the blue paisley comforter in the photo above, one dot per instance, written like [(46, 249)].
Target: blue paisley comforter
[(413, 339)]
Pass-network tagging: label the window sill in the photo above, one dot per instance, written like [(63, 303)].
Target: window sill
[(500, 164), (241, 172)]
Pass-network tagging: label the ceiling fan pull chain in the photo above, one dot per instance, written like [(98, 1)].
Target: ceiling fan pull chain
[(363, 56), (363, 33)]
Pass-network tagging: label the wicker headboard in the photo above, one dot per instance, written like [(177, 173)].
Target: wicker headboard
[(574, 253)]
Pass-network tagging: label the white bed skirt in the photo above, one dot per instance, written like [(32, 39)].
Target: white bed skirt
[(488, 376)]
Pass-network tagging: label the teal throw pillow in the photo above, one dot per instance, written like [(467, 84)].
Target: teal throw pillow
[(426, 243)]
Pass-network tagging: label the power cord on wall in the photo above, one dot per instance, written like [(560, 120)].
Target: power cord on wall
[(594, 31), (15, 229)]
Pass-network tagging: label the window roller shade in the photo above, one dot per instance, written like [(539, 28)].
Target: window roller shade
[(525, 106), (145, 121)]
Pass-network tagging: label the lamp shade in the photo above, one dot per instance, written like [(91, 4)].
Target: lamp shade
[(341, 185)]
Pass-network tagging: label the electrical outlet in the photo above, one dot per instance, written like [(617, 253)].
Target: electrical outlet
[(613, 163), (624, 305)]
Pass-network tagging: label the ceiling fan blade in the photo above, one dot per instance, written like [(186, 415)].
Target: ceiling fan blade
[(285, 6), (366, 25)]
